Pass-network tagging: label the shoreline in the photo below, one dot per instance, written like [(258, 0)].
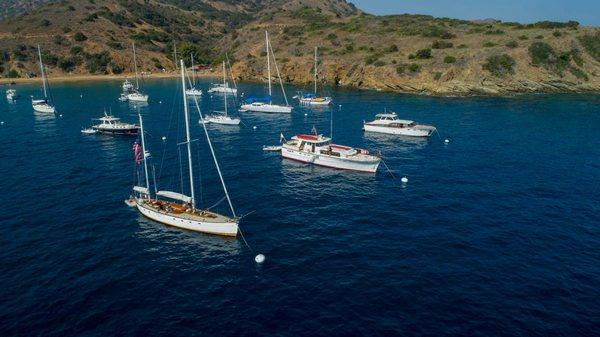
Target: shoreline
[(5, 82)]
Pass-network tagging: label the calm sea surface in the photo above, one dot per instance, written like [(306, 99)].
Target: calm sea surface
[(497, 233)]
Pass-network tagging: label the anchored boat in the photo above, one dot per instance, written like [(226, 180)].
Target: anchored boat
[(222, 117), (130, 93), (193, 91), (44, 104), (174, 208), (111, 125), (266, 104), (313, 98), (319, 150), (390, 124), (11, 94)]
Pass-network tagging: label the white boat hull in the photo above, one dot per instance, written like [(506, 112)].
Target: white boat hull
[(218, 228), (408, 131), (269, 108), (137, 98), (329, 161), (193, 92), (311, 101), (230, 91), (222, 120), (44, 108)]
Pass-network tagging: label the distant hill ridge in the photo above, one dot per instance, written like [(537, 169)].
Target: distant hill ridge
[(411, 53)]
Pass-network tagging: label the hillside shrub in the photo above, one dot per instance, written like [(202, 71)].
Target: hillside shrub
[(542, 54), (441, 44), (512, 44), (462, 46), (79, 37), (499, 65), (45, 23), (423, 54), (13, 74), (494, 32), (591, 43), (489, 44), (556, 33), (449, 59), (97, 63), (523, 37), (414, 68), (580, 74), (76, 50), (66, 64), (392, 49), (379, 63)]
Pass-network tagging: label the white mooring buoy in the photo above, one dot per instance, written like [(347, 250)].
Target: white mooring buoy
[(305, 114), (255, 127), (259, 258), (159, 102), (60, 115), (2, 123), (80, 96), (404, 180), (164, 138), (447, 141)]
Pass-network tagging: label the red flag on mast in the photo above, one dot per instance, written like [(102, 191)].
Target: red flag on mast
[(137, 152)]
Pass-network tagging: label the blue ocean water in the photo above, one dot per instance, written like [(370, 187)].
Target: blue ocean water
[(495, 234)]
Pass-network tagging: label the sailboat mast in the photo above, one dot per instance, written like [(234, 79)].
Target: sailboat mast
[(224, 85), (42, 71), (175, 54), (316, 70), (268, 65), (187, 135), (144, 153), (193, 71), (137, 81)]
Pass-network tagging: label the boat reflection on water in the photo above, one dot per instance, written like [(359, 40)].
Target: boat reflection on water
[(396, 143), (201, 245)]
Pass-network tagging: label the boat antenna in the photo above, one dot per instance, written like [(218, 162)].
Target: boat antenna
[(187, 135)]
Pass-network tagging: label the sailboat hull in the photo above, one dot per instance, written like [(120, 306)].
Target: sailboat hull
[(268, 108), (223, 120), (43, 108), (224, 228), (135, 97)]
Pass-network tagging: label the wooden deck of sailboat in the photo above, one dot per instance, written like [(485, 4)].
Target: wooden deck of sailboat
[(180, 211)]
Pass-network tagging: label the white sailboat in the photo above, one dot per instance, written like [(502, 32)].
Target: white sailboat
[(193, 91), (222, 117), (183, 211), (135, 95), (313, 98), (11, 94), (45, 104), (224, 88), (265, 104)]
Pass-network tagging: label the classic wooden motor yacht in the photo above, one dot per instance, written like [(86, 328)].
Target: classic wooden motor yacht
[(318, 150), (390, 124), (113, 126)]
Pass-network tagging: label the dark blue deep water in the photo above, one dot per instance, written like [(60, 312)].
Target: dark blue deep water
[(496, 233)]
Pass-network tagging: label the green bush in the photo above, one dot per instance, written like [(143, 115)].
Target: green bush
[(437, 75), (331, 36), (556, 33), (441, 45), (13, 74), (591, 43), (462, 46), (488, 44), (580, 74), (423, 54), (539, 37), (115, 45), (400, 69), (499, 65), (542, 54), (79, 36), (45, 23), (512, 44), (349, 47), (449, 59), (414, 68), (371, 59), (494, 32), (523, 37), (76, 50), (392, 49), (66, 64), (379, 63), (97, 63)]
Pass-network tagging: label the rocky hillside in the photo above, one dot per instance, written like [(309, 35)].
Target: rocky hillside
[(409, 53)]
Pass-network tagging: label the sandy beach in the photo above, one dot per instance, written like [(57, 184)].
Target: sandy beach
[(86, 77)]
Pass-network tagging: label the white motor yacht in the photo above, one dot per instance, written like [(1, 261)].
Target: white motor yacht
[(390, 124)]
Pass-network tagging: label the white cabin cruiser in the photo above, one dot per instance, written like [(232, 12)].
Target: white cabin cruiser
[(136, 96), (113, 126), (193, 92), (390, 124), (318, 150), (11, 94), (127, 86)]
